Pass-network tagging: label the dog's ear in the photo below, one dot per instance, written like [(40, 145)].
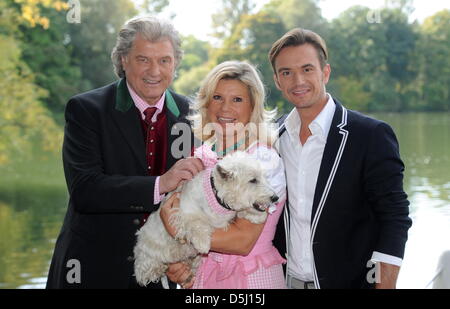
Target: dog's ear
[(224, 174)]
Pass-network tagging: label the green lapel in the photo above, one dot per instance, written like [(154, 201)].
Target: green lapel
[(124, 101), (171, 105)]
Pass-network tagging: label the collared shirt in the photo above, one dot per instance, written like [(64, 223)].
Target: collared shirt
[(302, 163), (142, 105)]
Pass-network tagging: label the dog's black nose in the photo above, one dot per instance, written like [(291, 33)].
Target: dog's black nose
[(274, 199)]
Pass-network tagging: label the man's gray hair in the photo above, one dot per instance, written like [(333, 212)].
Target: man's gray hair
[(152, 29)]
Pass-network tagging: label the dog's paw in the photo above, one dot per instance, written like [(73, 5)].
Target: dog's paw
[(253, 216), (146, 272), (201, 243)]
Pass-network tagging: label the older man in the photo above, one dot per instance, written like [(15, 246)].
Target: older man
[(118, 158)]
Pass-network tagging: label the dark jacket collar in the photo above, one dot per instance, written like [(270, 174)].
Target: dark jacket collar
[(127, 119), (334, 148), (124, 101)]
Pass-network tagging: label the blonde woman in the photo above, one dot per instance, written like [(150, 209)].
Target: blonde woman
[(229, 115)]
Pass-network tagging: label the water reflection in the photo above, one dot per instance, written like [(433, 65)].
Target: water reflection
[(32, 204), (33, 200), (425, 148)]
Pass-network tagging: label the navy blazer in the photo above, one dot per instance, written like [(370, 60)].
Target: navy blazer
[(359, 204), (110, 190)]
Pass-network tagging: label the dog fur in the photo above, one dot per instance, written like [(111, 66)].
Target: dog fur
[(240, 184)]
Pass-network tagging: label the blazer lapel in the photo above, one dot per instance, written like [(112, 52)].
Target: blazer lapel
[(173, 118), (127, 119), (336, 142)]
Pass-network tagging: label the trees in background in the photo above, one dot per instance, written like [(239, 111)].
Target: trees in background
[(49, 56), (69, 57), (45, 59), (371, 61), (385, 64), (251, 41), (229, 16), (24, 120), (93, 39), (381, 61), (194, 66), (433, 82), (248, 35)]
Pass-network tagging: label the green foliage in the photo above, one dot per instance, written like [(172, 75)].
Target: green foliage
[(194, 66), (229, 16), (154, 6), (434, 51), (189, 82), (376, 65), (377, 54), (389, 65), (22, 117), (352, 93), (33, 198), (299, 13), (196, 52), (47, 55), (251, 41), (93, 39)]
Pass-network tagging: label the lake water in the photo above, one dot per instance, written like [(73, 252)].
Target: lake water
[(33, 201)]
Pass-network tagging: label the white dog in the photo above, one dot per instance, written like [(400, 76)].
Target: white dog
[(235, 186)]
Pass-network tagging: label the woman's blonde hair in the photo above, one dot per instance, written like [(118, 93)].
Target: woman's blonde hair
[(247, 74)]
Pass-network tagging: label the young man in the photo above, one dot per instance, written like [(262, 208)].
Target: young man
[(347, 206), (118, 159)]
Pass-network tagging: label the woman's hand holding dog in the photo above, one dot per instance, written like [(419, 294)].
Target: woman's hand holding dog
[(177, 272), (184, 169), (167, 209)]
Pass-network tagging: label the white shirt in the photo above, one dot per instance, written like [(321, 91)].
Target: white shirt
[(302, 163)]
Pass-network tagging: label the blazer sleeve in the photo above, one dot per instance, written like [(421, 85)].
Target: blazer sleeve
[(91, 190), (383, 182)]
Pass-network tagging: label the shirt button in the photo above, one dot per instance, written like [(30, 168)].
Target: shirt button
[(151, 153), (149, 167), (152, 128), (151, 141)]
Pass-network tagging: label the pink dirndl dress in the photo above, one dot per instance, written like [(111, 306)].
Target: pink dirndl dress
[(262, 267)]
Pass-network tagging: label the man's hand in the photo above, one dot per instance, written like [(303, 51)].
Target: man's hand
[(181, 273), (388, 274), (184, 169)]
